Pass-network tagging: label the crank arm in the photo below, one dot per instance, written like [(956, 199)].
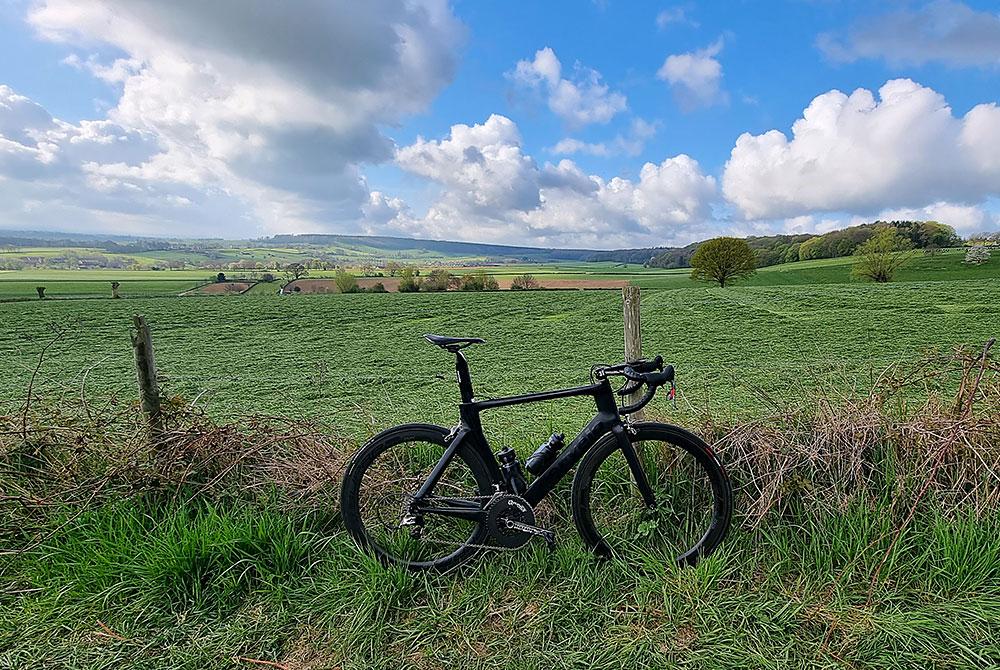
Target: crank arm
[(547, 535)]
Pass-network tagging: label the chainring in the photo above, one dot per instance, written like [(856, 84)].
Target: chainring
[(508, 507)]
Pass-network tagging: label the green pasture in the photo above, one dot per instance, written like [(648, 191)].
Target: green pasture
[(359, 361)]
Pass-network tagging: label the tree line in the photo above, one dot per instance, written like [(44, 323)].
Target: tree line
[(777, 249)]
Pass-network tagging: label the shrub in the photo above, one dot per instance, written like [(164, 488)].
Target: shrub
[(346, 283), (408, 282), (377, 287), (437, 280), (976, 255), (478, 281), (882, 255), (525, 282), (221, 277)]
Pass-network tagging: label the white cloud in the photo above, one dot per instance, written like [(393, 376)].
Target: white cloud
[(965, 219), (944, 31), (494, 191), (695, 77), (858, 154), (61, 176), (579, 102), (630, 144), (274, 106), (481, 166), (673, 16)]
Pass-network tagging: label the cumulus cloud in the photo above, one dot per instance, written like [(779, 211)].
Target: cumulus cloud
[(492, 190), (276, 107), (944, 31), (856, 153), (695, 77), (629, 144), (62, 176), (481, 166), (579, 102)]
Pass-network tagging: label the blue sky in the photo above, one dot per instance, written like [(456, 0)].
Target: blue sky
[(554, 123)]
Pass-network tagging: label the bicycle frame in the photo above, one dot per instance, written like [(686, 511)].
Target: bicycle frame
[(470, 432)]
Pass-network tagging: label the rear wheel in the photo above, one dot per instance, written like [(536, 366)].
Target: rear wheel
[(692, 491), (378, 488)]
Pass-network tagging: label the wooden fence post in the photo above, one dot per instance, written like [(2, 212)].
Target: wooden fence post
[(633, 334), (145, 368)]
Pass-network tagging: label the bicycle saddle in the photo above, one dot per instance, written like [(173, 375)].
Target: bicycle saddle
[(453, 344)]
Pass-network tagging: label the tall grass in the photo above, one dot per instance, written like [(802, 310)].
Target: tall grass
[(867, 539)]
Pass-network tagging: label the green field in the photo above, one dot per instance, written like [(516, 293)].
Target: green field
[(204, 584), (360, 362)]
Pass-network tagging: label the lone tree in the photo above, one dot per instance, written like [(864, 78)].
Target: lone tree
[(882, 255), (41, 292), (296, 271), (723, 260), (525, 283)]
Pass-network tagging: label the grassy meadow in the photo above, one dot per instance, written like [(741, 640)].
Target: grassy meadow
[(244, 576)]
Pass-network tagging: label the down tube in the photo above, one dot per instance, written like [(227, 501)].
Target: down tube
[(570, 456)]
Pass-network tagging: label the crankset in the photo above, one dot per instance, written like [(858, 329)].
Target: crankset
[(510, 523)]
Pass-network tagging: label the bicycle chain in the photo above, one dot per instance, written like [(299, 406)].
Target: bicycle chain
[(470, 544)]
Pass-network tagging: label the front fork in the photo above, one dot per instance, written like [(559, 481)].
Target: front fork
[(635, 465)]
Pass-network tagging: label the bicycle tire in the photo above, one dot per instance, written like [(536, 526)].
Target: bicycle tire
[(644, 433), (353, 492)]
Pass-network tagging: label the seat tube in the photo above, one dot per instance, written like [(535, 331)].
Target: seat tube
[(464, 377)]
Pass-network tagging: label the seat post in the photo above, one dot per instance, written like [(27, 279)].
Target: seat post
[(464, 377)]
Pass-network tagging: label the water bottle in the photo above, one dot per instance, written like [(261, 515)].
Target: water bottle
[(511, 469), (545, 454)]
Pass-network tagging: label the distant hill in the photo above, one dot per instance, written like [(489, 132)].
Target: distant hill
[(771, 250), (442, 247)]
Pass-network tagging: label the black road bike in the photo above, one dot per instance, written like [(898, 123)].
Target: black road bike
[(426, 497)]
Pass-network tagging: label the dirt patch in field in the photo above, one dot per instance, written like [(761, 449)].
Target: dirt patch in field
[(221, 288), (330, 285), (391, 284)]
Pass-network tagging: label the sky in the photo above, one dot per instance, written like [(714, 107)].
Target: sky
[(588, 124)]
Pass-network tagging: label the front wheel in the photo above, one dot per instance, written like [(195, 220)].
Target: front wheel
[(692, 491)]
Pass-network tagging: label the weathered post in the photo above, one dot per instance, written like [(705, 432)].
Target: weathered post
[(145, 367), (633, 334)]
